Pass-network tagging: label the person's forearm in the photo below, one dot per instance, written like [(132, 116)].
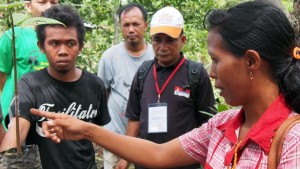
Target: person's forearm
[(2, 80), (107, 92), (10, 141), (138, 151), (2, 133), (133, 128)]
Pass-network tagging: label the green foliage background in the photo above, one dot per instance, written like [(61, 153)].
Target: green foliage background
[(101, 15)]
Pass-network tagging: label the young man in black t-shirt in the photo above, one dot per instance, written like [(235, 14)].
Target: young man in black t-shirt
[(60, 88)]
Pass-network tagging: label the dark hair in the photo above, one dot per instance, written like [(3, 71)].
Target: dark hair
[(265, 29), (129, 6), (68, 16)]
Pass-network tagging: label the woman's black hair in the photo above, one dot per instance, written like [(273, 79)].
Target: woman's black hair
[(68, 16), (265, 29)]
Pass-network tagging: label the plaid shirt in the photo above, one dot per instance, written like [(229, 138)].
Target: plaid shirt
[(213, 143)]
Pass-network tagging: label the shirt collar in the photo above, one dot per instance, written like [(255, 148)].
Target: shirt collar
[(158, 66), (263, 131)]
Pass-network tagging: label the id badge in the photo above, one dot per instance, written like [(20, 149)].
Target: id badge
[(157, 118)]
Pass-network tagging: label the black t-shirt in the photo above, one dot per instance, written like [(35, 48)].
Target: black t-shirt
[(84, 99)]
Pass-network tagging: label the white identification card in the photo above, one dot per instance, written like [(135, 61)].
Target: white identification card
[(157, 118)]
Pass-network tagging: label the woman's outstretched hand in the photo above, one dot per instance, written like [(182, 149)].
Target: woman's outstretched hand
[(61, 126)]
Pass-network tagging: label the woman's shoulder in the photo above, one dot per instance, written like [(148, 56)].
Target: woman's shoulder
[(291, 145), (225, 116), (294, 131)]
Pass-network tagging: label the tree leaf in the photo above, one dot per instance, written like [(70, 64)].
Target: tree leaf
[(206, 113), (11, 5), (39, 21), (222, 107), (19, 17)]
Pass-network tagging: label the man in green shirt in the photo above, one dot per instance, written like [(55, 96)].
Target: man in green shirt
[(29, 57)]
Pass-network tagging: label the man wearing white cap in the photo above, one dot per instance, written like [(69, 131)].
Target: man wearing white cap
[(165, 109)]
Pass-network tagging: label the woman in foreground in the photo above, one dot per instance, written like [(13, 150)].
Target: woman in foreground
[(255, 64)]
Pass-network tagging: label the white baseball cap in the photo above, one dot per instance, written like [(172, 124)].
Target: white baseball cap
[(167, 20)]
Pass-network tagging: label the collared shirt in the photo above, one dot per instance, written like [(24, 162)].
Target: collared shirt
[(164, 72), (214, 143), (181, 115)]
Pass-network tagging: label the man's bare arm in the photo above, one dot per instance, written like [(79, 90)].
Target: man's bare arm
[(139, 151), (2, 80)]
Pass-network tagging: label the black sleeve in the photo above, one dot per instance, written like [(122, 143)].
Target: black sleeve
[(133, 106), (205, 99), (26, 98), (103, 115)]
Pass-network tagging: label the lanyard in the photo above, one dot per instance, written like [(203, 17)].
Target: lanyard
[(158, 90)]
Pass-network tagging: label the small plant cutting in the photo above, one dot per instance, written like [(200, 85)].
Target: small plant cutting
[(21, 157)]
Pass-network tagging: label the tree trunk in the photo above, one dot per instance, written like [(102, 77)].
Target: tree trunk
[(296, 22), (117, 4), (296, 7)]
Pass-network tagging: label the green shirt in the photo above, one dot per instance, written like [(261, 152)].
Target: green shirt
[(29, 58)]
